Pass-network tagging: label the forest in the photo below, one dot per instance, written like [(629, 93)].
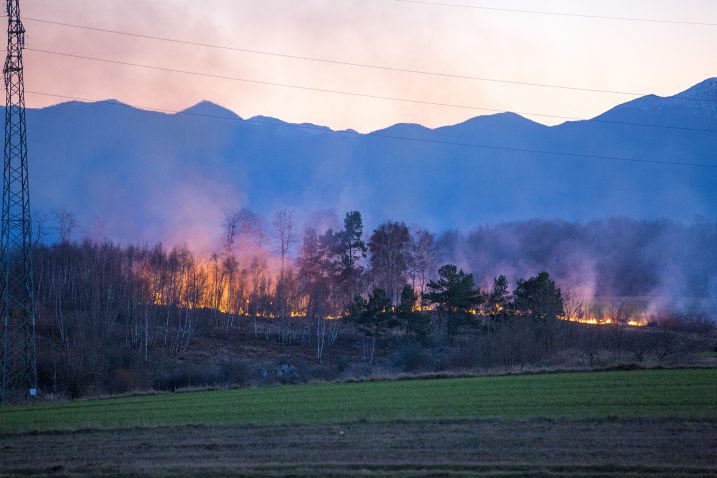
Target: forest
[(275, 303)]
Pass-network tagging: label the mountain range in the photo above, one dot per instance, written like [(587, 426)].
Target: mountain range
[(144, 176)]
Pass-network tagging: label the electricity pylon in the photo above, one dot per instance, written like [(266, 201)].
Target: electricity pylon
[(19, 362)]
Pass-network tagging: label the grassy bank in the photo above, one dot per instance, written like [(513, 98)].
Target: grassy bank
[(651, 393)]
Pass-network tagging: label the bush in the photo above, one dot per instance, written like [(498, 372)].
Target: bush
[(236, 372), (414, 358), (343, 362), (119, 357), (127, 380), (418, 327), (287, 373), (462, 358), (186, 377), (319, 373), (697, 323), (64, 375)]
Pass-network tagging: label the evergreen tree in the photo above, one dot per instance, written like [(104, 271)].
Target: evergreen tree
[(538, 298), (453, 292), (418, 324), (498, 301), (408, 300), (351, 250), (455, 296)]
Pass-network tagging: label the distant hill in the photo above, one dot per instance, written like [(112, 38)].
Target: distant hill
[(147, 176)]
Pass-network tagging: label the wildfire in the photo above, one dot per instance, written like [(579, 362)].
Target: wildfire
[(221, 304), (603, 321)]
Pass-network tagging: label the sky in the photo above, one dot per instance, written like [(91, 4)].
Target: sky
[(639, 57)]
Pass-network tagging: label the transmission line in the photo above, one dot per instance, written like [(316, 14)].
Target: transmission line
[(356, 64), (18, 344), (560, 14), (381, 135), (363, 95)]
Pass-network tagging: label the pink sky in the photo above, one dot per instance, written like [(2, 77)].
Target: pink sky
[(619, 55)]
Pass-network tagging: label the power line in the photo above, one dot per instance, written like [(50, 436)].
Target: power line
[(355, 64), (383, 135), (361, 95), (18, 347), (560, 14)]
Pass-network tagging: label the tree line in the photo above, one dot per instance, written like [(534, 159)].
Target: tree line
[(101, 307)]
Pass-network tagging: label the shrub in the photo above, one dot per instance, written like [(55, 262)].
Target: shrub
[(343, 362), (461, 358), (127, 380), (186, 377), (287, 373), (119, 357), (414, 358), (237, 372), (64, 375), (694, 323), (319, 373)]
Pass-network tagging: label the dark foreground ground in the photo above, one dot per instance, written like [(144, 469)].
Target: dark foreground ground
[(606, 447)]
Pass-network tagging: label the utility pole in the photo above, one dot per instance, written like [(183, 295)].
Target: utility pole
[(19, 360)]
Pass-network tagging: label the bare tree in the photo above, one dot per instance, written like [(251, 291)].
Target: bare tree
[(231, 229), (389, 257), (250, 232), (39, 224), (66, 223), (423, 259), (284, 235), (573, 306)]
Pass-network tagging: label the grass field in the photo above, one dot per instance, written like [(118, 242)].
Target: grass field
[(660, 423), (655, 393)]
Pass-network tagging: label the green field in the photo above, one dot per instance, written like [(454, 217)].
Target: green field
[(660, 423), (624, 394)]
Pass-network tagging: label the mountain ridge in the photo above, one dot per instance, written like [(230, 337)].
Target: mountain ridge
[(149, 176)]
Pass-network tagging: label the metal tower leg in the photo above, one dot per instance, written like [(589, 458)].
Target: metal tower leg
[(19, 363)]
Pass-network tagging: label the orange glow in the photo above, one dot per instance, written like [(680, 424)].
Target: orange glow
[(186, 291), (591, 320)]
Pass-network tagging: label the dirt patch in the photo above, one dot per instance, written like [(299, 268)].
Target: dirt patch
[(641, 447)]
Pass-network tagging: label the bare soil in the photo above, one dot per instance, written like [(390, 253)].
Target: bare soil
[(506, 448)]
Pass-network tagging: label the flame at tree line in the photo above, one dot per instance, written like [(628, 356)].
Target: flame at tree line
[(642, 320), (607, 320), (266, 269), (251, 277)]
